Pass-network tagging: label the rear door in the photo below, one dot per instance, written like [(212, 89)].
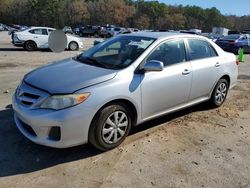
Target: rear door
[(206, 66), (40, 36), (164, 90)]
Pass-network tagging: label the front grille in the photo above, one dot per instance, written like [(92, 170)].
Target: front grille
[(27, 128), (26, 103), (29, 96)]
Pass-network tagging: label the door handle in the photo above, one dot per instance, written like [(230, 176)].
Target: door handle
[(186, 72), (35, 37), (217, 64)]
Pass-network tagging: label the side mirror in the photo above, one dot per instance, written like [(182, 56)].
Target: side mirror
[(153, 65)]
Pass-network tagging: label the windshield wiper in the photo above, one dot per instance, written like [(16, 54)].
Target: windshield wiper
[(80, 59), (117, 66), (96, 62), (89, 61)]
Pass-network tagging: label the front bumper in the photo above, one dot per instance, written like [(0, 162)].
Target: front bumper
[(36, 124)]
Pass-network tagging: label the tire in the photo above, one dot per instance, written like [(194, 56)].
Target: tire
[(30, 46), (73, 46), (219, 93), (104, 121), (96, 35)]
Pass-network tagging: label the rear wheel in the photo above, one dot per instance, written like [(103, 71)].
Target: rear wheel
[(73, 46), (110, 127), (30, 46), (220, 93)]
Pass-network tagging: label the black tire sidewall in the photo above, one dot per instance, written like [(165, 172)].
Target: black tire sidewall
[(30, 49), (95, 133), (213, 99)]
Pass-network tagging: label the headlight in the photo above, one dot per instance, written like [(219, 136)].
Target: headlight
[(58, 102)]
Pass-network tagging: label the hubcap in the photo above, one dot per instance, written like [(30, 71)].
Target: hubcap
[(221, 93), (115, 127), (30, 45), (73, 46)]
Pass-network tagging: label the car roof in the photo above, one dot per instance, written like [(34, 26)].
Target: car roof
[(41, 27), (159, 35)]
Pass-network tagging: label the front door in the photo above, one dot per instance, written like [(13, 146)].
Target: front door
[(164, 90)]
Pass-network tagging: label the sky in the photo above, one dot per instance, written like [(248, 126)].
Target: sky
[(235, 7)]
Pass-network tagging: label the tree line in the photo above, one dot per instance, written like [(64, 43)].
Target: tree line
[(128, 13)]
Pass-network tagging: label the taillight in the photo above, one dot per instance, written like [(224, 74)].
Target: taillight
[(237, 62), (232, 43)]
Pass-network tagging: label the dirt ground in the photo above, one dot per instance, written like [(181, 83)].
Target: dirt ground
[(196, 147)]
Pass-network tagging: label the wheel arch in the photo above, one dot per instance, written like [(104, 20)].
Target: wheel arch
[(31, 41), (226, 77), (73, 41), (131, 107)]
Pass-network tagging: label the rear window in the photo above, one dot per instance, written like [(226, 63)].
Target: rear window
[(199, 49), (231, 37)]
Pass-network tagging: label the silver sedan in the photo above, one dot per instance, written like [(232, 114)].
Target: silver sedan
[(99, 95)]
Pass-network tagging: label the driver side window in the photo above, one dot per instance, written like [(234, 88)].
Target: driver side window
[(170, 52)]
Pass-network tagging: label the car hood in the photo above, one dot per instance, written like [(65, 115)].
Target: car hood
[(68, 76)]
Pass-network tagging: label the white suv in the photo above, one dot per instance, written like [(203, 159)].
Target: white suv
[(37, 38)]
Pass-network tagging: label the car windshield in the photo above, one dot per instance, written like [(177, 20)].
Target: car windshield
[(117, 52), (231, 37)]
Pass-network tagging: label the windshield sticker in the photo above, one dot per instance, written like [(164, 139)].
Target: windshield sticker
[(141, 44), (135, 43)]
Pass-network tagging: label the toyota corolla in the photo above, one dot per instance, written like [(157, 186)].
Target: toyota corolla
[(100, 94)]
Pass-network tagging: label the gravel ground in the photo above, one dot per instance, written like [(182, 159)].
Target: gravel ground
[(196, 147)]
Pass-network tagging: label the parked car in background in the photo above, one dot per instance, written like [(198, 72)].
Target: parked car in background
[(233, 32), (127, 31), (37, 38), (2, 27), (93, 31), (246, 31), (67, 29), (196, 31), (76, 30), (116, 31), (232, 43), (189, 32), (122, 82), (211, 36), (133, 30)]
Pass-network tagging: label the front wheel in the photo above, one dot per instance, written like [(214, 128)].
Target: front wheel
[(110, 127), (220, 93)]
